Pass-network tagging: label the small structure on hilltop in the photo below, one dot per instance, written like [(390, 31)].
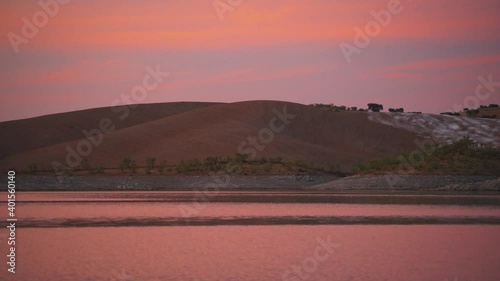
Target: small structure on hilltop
[(489, 112), (484, 111)]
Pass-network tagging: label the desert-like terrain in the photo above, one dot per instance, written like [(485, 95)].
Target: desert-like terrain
[(183, 131)]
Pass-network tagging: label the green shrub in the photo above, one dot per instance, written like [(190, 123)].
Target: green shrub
[(189, 166), (462, 156), (334, 168), (301, 163), (129, 164), (99, 170), (32, 168), (276, 160), (161, 168), (85, 165), (432, 166), (241, 157), (267, 167), (214, 164), (133, 167), (150, 164), (254, 169), (182, 167)]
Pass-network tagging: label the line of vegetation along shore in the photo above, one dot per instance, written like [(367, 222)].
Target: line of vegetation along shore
[(461, 157)]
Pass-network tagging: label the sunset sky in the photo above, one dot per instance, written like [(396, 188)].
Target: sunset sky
[(88, 54)]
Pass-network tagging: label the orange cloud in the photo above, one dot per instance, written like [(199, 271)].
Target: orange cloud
[(195, 24)]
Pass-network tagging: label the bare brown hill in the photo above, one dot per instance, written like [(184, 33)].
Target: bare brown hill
[(43, 131), (313, 135)]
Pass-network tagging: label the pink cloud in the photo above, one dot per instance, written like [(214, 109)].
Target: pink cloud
[(89, 70), (443, 63), (247, 75)]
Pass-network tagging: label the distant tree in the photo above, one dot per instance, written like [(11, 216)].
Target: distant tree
[(401, 110), (472, 112), (331, 106), (493, 105), (354, 108), (451, 113), (375, 107)]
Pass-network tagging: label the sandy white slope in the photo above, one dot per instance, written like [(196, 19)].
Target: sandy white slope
[(443, 128)]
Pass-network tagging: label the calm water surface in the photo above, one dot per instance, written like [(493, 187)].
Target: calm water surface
[(229, 236)]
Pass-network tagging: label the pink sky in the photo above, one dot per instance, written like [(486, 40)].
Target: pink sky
[(88, 54)]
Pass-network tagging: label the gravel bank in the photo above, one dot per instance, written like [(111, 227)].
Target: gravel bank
[(413, 182), (490, 185), (359, 182), (154, 182)]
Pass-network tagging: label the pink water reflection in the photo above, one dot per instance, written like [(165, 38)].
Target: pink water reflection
[(259, 253)]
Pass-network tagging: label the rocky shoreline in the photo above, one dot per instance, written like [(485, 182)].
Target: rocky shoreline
[(158, 183), (413, 182), (261, 182)]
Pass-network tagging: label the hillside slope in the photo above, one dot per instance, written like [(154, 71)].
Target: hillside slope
[(38, 132), (313, 135)]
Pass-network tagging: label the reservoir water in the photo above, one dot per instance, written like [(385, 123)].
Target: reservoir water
[(260, 235)]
